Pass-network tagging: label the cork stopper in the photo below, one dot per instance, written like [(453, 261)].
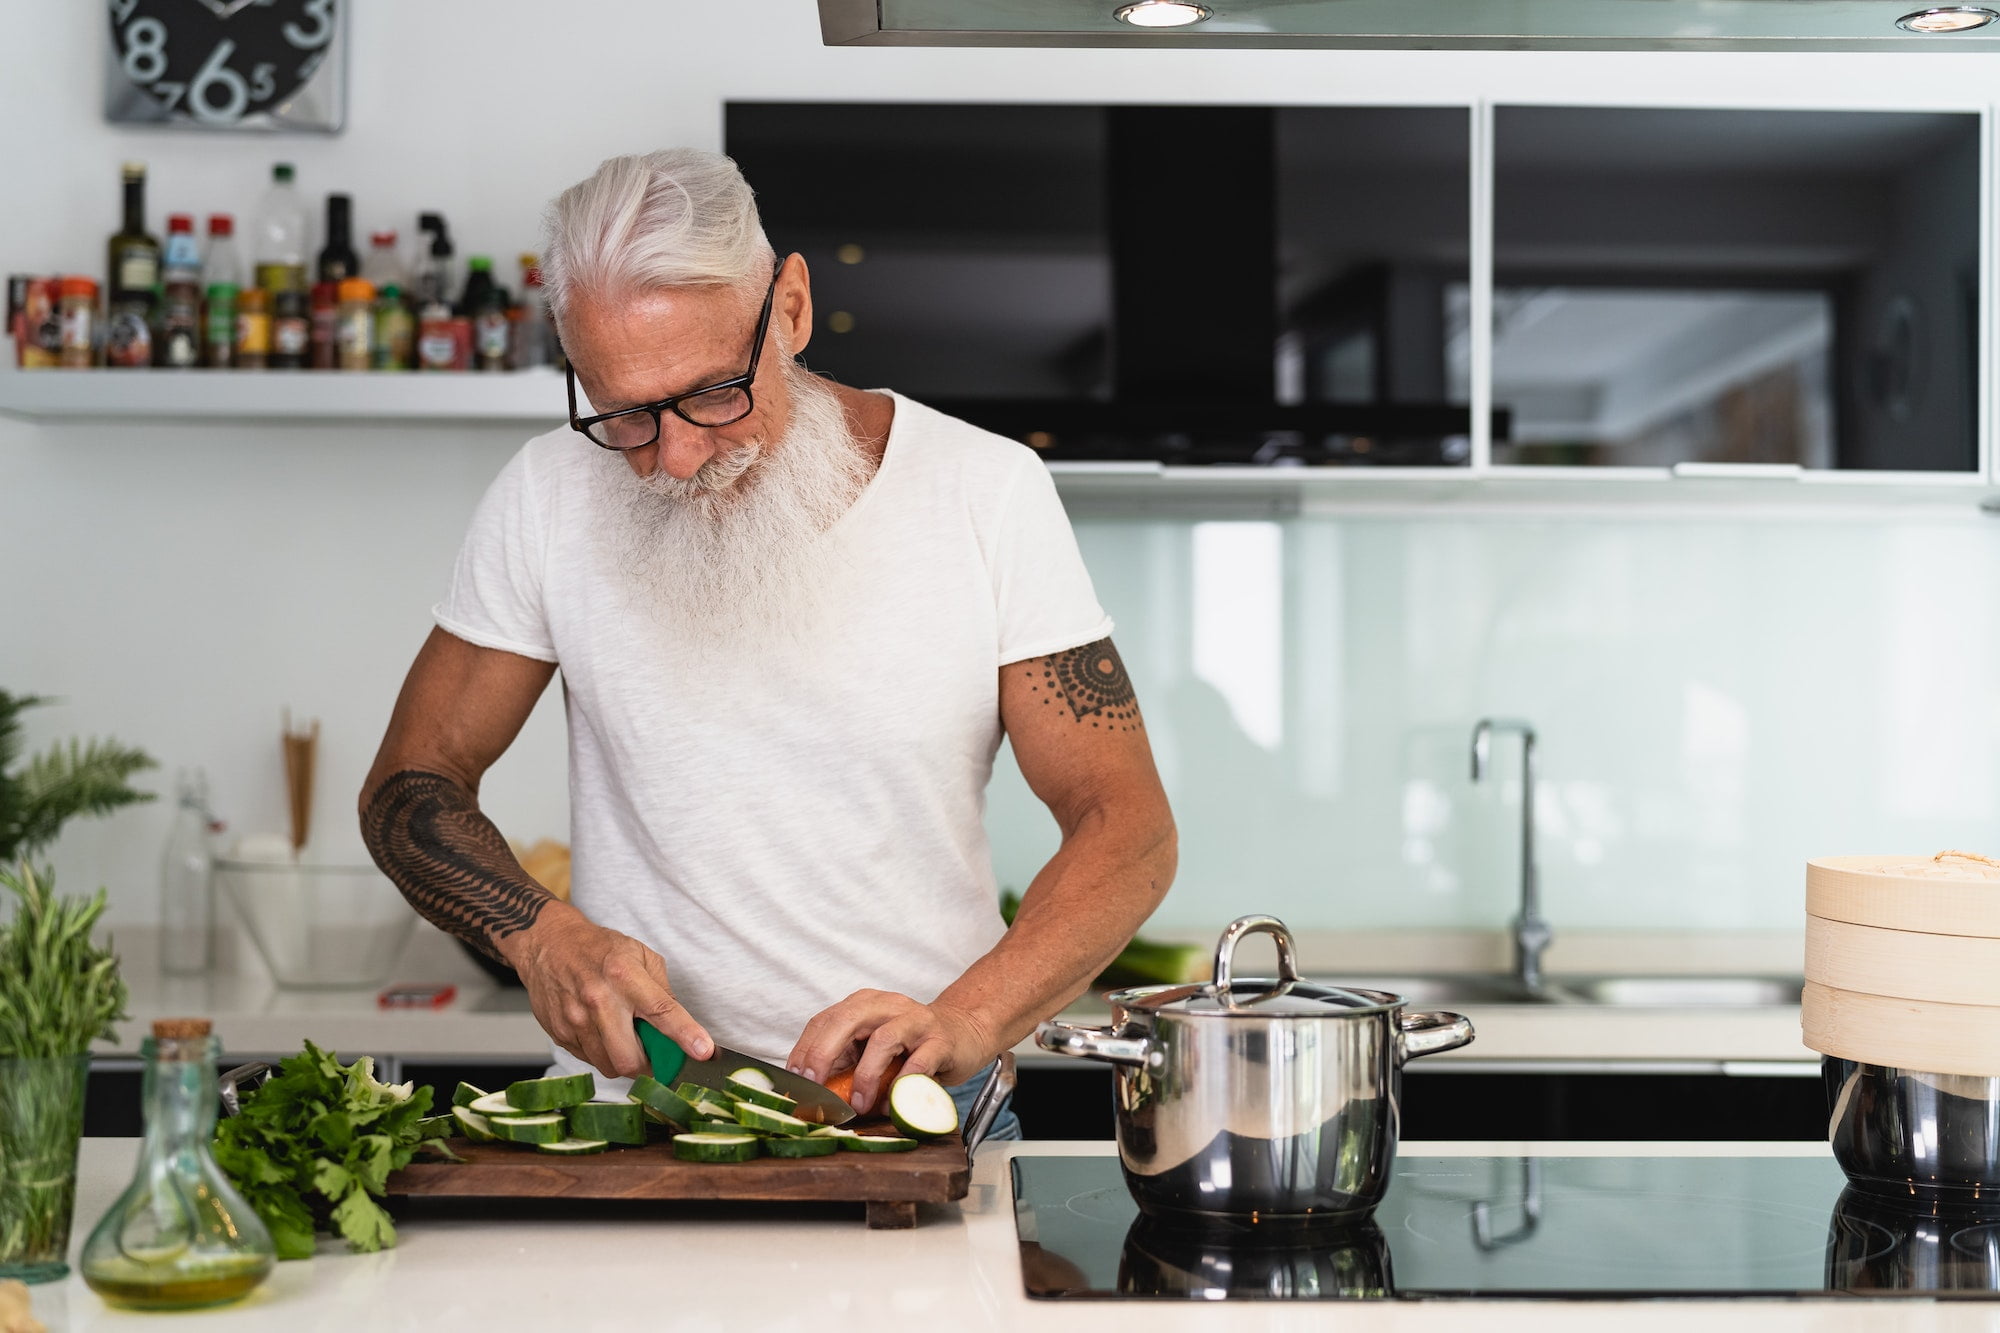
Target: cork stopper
[(180, 1029)]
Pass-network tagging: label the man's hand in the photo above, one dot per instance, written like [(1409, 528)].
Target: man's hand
[(869, 1029), (587, 983)]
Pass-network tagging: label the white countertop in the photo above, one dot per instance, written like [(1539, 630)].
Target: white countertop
[(253, 1016), (783, 1271)]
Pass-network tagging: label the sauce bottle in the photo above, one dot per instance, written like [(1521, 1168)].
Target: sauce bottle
[(355, 329), (252, 349), (291, 331), (395, 331)]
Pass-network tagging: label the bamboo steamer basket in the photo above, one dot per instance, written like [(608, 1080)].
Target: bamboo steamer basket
[(1903, 962)]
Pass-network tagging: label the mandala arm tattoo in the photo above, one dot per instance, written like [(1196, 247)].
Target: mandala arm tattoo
[(429, 837), (1089, 683)]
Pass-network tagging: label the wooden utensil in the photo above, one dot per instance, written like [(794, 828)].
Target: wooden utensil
[(300, 749), (1906, 964), (1951, 893)]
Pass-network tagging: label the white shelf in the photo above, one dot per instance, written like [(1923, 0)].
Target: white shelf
[(534, 399), (534, 396)]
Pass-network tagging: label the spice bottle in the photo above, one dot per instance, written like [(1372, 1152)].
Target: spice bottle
[(253, 329), (437, 347), (354, 334), (325, 325), (395, 331), (291, 333), (79, 323), (180, 1237)]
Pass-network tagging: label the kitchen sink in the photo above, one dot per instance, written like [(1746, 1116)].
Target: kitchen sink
[(1637, 992)]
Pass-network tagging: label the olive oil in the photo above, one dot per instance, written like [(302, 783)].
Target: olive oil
[(147, 1286)]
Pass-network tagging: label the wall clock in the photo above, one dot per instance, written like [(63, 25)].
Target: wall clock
[(227, 64)]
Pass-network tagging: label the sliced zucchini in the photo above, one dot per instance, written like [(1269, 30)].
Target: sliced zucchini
[(752, 1077), (701, 1126), (877, 1143), (752, 1116), (551, 1094), (831, 1132), (717, 1147), (662, 1103), (530, 1128), (465, 1094), (694, 1092), (805, 1147), (493, 1103), (715, 1108), (919, 1106), (476, 1127), (573, 1147), (616, 1122), (755, 1095)]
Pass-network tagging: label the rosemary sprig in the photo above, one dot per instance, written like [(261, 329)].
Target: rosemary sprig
[(59, 990)]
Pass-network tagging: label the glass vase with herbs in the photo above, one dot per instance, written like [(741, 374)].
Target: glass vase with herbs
[(59, 992)]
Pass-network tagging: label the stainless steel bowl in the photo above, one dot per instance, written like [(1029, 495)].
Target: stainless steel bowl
[(1901, 1133)]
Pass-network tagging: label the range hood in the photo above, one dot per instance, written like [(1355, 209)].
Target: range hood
[(1420, 25)]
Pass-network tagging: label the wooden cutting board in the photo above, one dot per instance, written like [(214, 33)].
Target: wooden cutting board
[(890, 1184)]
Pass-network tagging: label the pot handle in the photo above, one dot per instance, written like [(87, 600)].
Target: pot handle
[(1225, 950), (1428, 1033), (1096, 1044)]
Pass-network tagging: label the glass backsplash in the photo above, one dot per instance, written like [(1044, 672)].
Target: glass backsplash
[(1718, 698)]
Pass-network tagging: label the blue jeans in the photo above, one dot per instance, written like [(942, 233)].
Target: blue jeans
[(1006, 1125)]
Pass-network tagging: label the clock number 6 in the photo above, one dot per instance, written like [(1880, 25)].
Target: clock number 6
[(321, 12), (145, 50), (216, 71)]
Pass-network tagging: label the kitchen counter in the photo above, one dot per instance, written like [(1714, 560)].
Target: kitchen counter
[(777, 1269), (253, 1016)]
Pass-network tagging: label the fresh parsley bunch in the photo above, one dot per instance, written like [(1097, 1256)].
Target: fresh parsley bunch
[(312, 1150)]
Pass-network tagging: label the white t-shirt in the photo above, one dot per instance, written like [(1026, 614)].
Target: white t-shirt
[(810, 824)]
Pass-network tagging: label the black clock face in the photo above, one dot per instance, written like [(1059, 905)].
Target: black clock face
[(216, 62)]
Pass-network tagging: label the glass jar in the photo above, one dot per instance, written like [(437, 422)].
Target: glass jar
[(41, 1124), (180, 1236)]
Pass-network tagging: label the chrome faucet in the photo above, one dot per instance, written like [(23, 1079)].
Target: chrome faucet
[(1531, 932)]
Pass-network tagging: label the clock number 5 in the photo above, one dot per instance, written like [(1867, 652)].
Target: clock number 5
[(321, 13), (145, 50), (215, 71)]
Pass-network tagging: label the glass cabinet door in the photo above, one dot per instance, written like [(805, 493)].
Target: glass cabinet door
[(1697, 286)]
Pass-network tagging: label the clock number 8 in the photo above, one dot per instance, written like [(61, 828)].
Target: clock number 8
[(145, 45)]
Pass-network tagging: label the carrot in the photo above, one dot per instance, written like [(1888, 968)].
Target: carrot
[(841, 1085)]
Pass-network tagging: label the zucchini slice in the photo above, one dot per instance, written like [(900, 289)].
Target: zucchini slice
[(616, 1122), (831, 1132), (717, 1147), (752, 1077), (714, 1107), (765, 1120), (756, 1095), (493, 1103), (530, 1128), (476, 1127), (465, 1094), (805, 1147), (573, 1147), (920, 1107), (551, 1094), (692, 1093), (877, 1143), (662, 1103)]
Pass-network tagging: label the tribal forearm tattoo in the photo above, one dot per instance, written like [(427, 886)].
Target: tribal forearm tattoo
[(427, 834), (1090, 684)]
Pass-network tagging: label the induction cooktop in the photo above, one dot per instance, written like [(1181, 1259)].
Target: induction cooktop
[(1495, 1227)]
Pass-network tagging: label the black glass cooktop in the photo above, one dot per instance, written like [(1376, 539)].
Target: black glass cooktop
[(1490, 1227)]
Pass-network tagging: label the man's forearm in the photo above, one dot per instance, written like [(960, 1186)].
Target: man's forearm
[(429, 837), (1081, 910)]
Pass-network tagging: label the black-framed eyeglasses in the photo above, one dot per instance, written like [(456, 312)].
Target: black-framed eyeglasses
[(720, 404)]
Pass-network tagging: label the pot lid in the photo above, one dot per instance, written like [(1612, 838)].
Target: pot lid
[(1261, 997)]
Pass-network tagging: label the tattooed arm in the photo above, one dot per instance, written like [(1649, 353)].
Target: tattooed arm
[(460, 708), (1074, 721)]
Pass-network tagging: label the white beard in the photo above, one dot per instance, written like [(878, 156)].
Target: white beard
[(742, 552)]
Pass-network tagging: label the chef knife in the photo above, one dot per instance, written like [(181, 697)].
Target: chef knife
[(671, 1064)]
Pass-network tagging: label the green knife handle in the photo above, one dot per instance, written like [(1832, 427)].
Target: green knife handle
[(662, 1051)]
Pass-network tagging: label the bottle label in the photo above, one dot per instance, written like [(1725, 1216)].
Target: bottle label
[(290, 336), (128, 342), (253, 333), (138, 270)]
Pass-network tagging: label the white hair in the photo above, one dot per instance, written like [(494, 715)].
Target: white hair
[(676, 218)]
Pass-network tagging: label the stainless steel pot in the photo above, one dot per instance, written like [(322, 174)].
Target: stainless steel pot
[(1275, 1101), (1910, 1135)]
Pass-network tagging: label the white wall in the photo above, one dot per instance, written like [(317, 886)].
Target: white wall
[(178, 585)]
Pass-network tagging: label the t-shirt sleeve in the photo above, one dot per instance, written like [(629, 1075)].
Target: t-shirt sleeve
[(495, 597), (1040, 587)]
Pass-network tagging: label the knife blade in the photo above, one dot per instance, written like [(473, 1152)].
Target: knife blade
[(673, 1065)]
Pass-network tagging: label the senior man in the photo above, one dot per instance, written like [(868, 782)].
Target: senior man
[(793, 620)]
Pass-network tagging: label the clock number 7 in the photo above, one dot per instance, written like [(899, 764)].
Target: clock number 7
[(122, 9)]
